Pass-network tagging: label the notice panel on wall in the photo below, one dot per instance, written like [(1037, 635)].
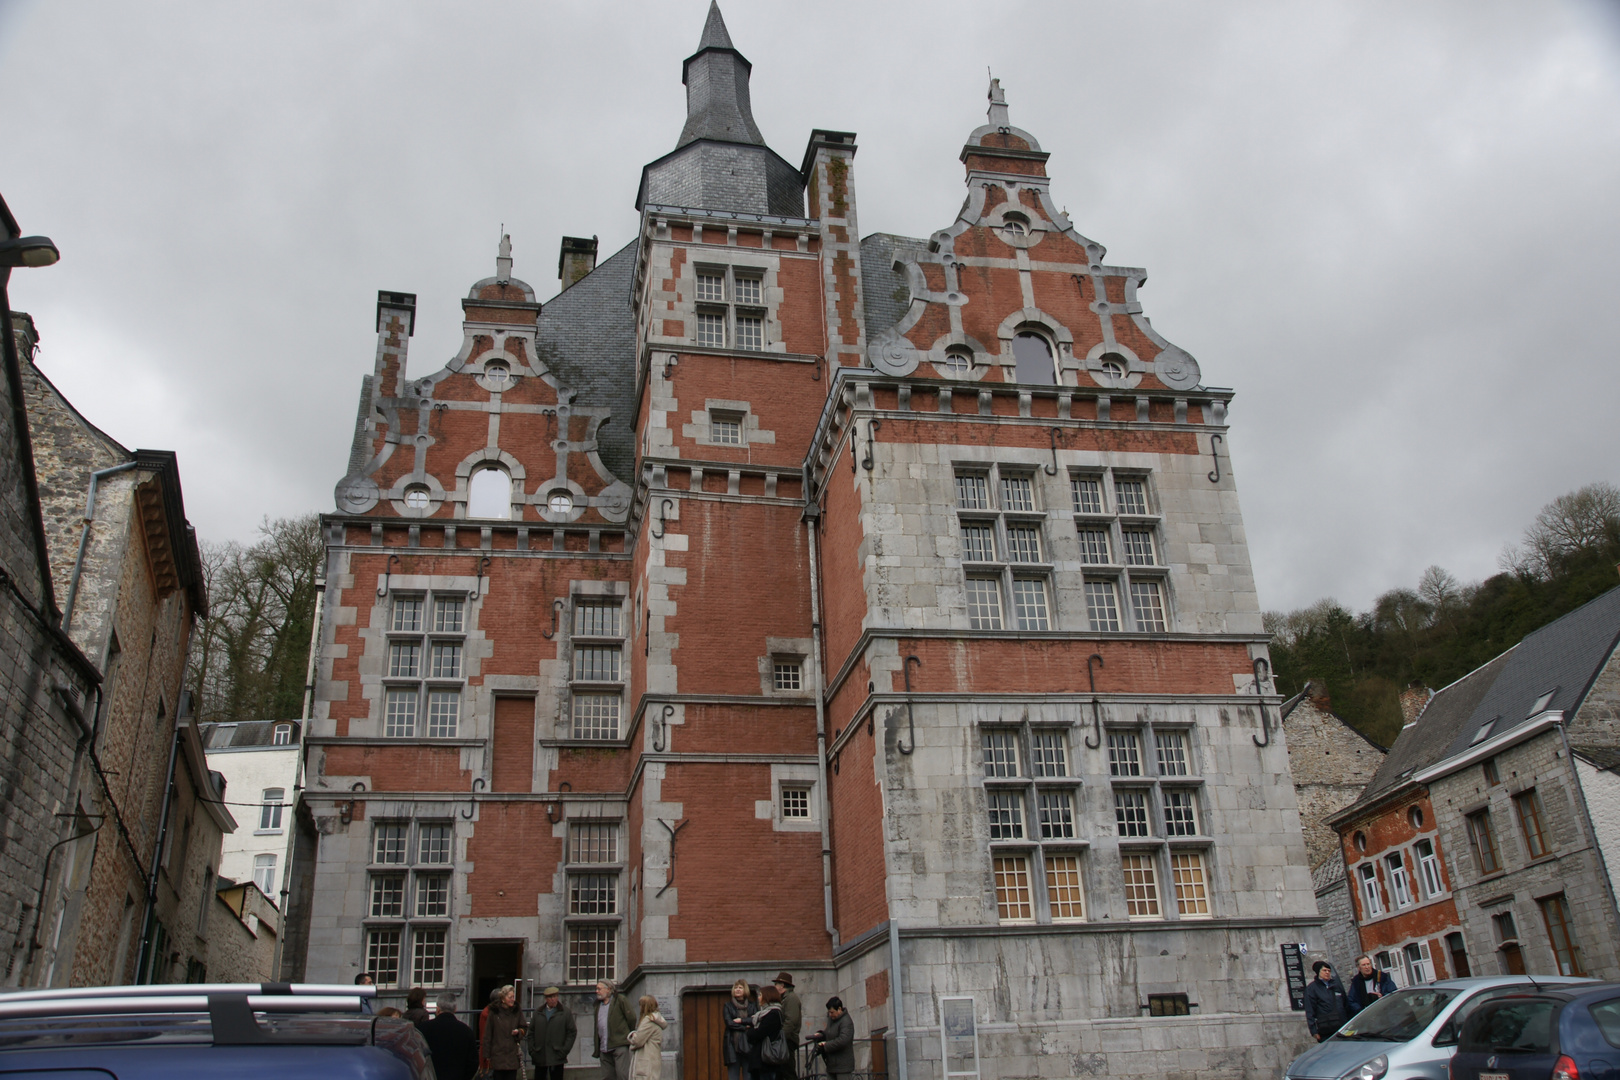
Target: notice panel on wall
[(960, 1036), (1293, 959)]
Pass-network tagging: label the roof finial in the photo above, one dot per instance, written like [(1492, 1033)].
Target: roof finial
[(503, 259), (714, 30), (998, 104)]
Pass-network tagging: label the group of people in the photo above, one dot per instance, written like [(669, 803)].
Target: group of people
[(1329, 1006), (762, 1034), (763, 1028)]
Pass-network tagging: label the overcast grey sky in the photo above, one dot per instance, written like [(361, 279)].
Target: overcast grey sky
[(1391, 227)]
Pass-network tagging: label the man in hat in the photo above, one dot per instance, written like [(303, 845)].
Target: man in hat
[(551, 1036), (792, 1025), (1326, 1007)]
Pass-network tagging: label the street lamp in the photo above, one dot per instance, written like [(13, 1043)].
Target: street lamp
[(28, 251)]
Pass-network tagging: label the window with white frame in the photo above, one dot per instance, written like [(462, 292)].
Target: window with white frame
[(425, 673), (731, 309), (1429, 868), (1172, 752), (264, 874), (796, 802), (1180, 812), (596, 692), (270, 807), (1371, 902), (1141, 886), (1416, 964), (1036, 847), (1399, 888), (1004, 558), (408, 904), (281, 735), (1124, 753), (1125, 584), (787, 674), (725, 427), (594, 868)]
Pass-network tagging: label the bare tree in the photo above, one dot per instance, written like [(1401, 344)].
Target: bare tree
[(1585, 520)]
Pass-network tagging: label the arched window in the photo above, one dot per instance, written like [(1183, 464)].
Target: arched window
[(1033, 354), (489, 494), (281, 735)]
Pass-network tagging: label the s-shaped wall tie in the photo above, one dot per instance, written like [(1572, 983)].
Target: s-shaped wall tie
[(1096, 706), (1265, 722), (1215, 473), (664, 505), (663, 728), (670, 879), (556, 610), (911, 721), (1052, 469), (472, 800), (388, 576)]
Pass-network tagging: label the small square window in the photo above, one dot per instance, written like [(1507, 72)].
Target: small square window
[(1124, 754), (1017, 493), (1000, 753), (787, 675), (1132, 496), (984, 603), (1141, 887), (1102, 605), (1013, 897), (1023, 544), (725, 429), (388, 843), (596, 619), (433, 896), (591, 953), (596, 716), (594, 663), (405, 660), (711, 329), (1087, 492), (1006, 815), (1093, 546), (593, 842), (446, 660), (407, 615), (593, 894), (433, 843), (388, 896), (796, 803), (1180, 812), (748, 289), (711, 287)]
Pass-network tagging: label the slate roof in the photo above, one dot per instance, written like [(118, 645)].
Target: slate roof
[(885, 290), (716, 78), (587, 336), (246, 734), (1564, 657)]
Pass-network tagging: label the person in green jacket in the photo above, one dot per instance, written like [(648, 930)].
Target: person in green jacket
[(551, 1036), (615, 1019), (792, 1024)]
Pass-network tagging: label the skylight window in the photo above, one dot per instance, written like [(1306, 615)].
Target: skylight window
[(1542, 702), (1484, 731)]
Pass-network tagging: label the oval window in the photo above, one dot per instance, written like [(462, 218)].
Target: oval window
[(560, 502), (1360, 840), (1033, 356), (1015, 225), (498, 375), (958, 360), (489, 495), (1113, 367), (416, 498), (1415, 816)]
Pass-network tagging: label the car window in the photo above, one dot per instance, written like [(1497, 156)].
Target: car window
[(1511, 1026), (1401, 1016), (1447, 1035), (1607, 1016)]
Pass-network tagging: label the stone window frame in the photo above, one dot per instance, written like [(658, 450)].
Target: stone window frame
[(787, 669), (580, 862), (1120, 571), (1559, 921), (578, 639), (730, 307), (1002, 568), (425, 683), (1531, 813), (1017, 778), (1153, 783), (412, 871)]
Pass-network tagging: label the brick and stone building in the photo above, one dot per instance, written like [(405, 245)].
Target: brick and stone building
[(875, 608), (137, 818)]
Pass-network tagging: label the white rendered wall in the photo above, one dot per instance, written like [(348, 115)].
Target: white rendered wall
[(248, 771)]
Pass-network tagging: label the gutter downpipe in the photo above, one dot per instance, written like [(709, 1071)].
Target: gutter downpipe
[(84, 539), (812, 518), (899, 992), (157, 855), (298, 775)]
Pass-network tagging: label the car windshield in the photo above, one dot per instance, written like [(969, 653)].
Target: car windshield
[(1399, 1017)]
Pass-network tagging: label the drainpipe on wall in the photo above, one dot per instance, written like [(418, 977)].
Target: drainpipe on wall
[(84, 539), (812, 517), (898, 995)]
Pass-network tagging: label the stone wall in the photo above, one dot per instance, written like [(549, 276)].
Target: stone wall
[(1331, 763)]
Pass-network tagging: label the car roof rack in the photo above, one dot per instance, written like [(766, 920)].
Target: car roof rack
[(230, 1006)]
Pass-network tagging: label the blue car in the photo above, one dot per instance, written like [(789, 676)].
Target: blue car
[(1554, 1034), (247, 1031)]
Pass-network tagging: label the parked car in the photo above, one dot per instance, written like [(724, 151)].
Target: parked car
[(1567, 1034), (247, 1031), (1410, 1034)]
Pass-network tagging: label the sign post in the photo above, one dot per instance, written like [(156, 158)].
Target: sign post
[(1293, 960)]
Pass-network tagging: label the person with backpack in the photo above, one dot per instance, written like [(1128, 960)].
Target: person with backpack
[(767, 1045)]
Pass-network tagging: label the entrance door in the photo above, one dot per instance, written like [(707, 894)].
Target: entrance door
[(495, 963), (703, 1028)]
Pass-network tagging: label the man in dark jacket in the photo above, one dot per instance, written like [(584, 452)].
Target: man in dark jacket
[(792, 1024), (837, 1041), (615, 1020), (551, 1036), (453, 1045), (1367, 985), (1326, 1008)]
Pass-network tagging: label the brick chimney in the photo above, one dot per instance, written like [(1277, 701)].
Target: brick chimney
[(1413, 699), (578, 258), (1316, 692)]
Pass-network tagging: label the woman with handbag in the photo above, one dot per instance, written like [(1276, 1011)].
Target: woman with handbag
[(502, 1042), (767, 1046), (737, 1012), (647, 1042)]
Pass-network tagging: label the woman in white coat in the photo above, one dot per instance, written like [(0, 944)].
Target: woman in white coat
[(647, 1042)]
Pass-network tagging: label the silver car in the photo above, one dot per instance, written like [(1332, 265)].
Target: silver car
[(1410, 1034)]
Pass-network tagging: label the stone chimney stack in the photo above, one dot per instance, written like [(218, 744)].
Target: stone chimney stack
[(1316, 692), (578, 258), (1413, 700)]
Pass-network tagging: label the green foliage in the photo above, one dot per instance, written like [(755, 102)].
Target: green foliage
[(1442, 630), (250, 657)]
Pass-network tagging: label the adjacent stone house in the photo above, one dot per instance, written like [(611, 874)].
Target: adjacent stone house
[(1531, 880), (903, 578), (242, 931)]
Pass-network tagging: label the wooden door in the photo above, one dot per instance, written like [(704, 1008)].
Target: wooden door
[(512, 750), (703, 1028)]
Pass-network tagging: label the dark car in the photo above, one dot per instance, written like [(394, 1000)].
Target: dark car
[(247, 1031), (1567, 1034)]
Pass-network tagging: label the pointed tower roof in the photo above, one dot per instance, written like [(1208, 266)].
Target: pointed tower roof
[(716, 78)]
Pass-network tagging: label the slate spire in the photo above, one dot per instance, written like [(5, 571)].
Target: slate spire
[(716, 78)]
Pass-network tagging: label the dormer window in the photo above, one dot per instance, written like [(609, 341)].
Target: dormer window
[(281, 735)]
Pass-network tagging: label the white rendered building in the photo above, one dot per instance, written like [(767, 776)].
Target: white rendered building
[(259, 760)]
